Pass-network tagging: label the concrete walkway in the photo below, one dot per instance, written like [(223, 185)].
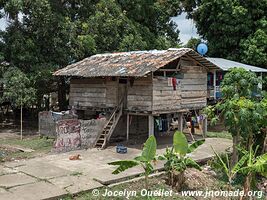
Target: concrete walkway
[(55, 175)]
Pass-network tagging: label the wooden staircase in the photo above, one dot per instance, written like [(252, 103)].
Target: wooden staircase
[(109, 127)]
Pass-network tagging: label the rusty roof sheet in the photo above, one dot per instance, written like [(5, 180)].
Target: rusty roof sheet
[(134, 64)]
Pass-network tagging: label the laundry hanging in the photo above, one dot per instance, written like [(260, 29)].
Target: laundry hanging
[(174, 83)]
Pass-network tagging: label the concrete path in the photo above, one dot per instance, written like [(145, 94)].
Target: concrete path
[(55, 175)]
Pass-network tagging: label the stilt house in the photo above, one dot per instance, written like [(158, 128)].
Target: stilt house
[(135, 87)]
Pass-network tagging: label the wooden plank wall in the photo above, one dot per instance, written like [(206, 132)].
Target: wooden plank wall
[(194, 85), (111, 93), (93, 92), (139, 96), (165, 98)]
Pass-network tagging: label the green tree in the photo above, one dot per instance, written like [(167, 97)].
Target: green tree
[(255, 48), (45, 35), (192, 43), (18, 90), (243, 112), (234, 29)]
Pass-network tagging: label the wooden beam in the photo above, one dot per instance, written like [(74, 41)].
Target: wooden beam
[(168, 70), (194, 60), (128, 127), (158, 112), (214, 84), (150, 125), (205, 127)]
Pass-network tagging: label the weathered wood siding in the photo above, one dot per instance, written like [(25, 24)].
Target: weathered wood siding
[(139, 96), (111, 93), (93, 92), (165, 98), (193, 86)]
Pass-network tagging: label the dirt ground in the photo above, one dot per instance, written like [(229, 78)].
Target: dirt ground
[(204, 180)]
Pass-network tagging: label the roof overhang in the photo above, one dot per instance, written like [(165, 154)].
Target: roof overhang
[(130, 64)]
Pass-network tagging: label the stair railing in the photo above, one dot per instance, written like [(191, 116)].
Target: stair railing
[(115, 117)]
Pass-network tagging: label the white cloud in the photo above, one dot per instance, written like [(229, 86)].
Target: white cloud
[(3, 24), (186, 26)]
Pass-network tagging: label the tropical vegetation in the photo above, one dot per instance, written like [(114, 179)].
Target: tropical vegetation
[(145, 160), (177, 159)]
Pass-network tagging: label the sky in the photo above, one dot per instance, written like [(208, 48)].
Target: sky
[(2, 24), (186, 27)]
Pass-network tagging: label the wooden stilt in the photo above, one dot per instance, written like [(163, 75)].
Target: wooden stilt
[(150, 125), (128, 127), (214, 84), (205, 126)]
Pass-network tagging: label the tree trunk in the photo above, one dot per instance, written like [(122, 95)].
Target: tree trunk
[(236, 140), (247, 185), (177, 180), (21, 121), (264, 149), (249, 143), (62, 102)]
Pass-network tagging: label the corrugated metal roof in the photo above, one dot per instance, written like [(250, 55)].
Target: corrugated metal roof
[(225, 65), (135, 63)]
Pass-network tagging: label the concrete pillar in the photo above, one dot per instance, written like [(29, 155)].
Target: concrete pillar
[(180, 122), (127, 127), (150, 125)]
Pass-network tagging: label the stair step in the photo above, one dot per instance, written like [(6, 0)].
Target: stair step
[(99, 144), (101, 139)]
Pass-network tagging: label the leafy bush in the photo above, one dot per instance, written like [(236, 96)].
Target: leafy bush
[(148, 155), (178, 160)]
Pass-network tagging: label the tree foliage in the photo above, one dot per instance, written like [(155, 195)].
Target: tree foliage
[(243, 108), (18, 88), (192, 43), (44, 35), (234, 29)]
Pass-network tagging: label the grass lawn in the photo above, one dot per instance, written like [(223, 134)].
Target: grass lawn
[(222, 134), (40, 145)]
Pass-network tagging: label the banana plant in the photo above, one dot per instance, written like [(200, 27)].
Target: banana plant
[(145, 160), (178, 160), (229, 171), (248, 165), (254, 165)]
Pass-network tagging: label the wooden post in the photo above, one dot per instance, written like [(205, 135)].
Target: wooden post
[(205, 128), (180, 122), (260, 84), (127, 124), (21, 120), (150, 125), (214, 84)]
